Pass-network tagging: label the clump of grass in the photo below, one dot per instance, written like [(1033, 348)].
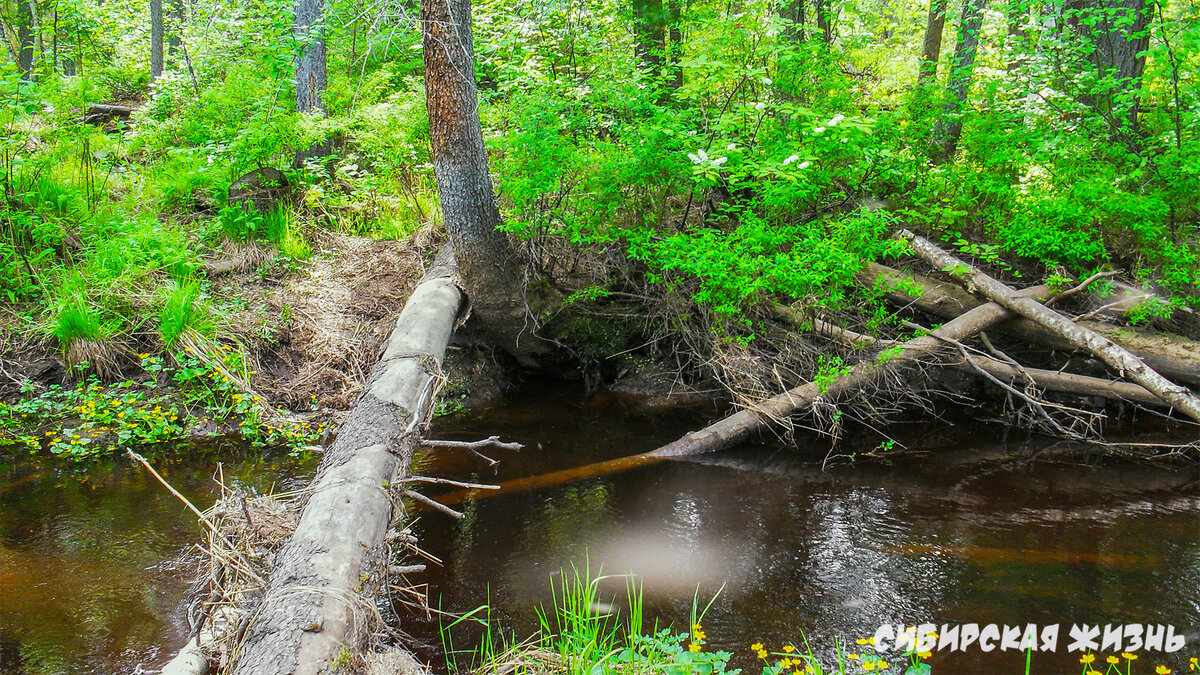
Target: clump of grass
[(87, 340), (184, 309), (580, 635)]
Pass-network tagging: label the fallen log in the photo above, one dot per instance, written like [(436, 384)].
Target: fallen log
[(744, 424), (1118, 358), (102, 113), (1048, 380), (1173, 357), (312, 611)]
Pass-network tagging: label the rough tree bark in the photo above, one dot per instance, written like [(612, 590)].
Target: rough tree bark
[(489, 269), (948, 301), (1116, 37), (948, 130), (1117, 357), (311, 609), (932, 49), (741, 426), (156, 39), (311, 71)]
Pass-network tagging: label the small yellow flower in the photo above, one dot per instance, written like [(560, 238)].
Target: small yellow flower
[(1087, 658), (852, 657), (1129, 657), (809, 669), (1113, 660), (693, 647), (695, 626), (756, 647), (1093, 672), (868, 665), (882, 665), (1162, 670), (1193, 663), (925, 654), (762, 653), (789, 649), (785, 663), (865, 641)]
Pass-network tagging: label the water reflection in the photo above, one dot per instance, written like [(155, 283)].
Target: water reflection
[(984, 534), (83, 583)]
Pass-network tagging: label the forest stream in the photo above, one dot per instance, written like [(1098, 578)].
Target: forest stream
[(965, 526)]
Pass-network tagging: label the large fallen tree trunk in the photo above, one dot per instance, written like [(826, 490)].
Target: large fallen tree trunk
[(1117, 357), (1175, 358), (741, 426), (312, 611)]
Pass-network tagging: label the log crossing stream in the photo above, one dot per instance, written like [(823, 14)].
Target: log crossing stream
[(967, 528)]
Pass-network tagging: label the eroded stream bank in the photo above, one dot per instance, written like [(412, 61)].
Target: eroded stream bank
[(966, 528)]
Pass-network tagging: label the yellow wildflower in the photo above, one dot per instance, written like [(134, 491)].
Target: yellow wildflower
[(762, 653), (1113, 660), (925, 654), (809, 669), (789, 649), (1087, 658), (785, 663), (1092, 672), (866, 641), (1193, 663), (882, 665), (756, 647), (700, 635), (1162, 670), (693, 647), (1129, 657), (868, 665), (852, 657)]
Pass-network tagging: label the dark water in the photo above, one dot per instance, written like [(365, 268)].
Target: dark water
[(92, 563), (966, 528)]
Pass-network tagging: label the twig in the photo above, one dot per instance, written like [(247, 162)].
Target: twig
[(406, 569), (447, 481), (493, 441), (435, 505), (1081, 287)]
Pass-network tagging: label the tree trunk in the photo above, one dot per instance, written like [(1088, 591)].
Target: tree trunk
[(932, 50), (1117, 357), (675, 32), (825, 20), (312, 609), (1173, 357), (949, 128), (25, 39), (489, 269), (174, 38), (1116, 35), (649, 26), (792, 12), (311, 68), (156, 39)]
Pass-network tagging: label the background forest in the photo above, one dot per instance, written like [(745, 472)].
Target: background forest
[(674, 169)]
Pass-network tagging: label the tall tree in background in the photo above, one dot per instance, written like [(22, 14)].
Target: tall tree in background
[(792, 11), (932, 48), (25, 39), (948, 129), (311, 71), (156, 39), (488, 266), (675, 33), (825, 19), (649, 25), (1115, 37)]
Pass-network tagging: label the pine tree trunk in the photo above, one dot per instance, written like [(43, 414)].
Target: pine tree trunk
[(825, 20), (949, 128), (156, 39), (488, 266)]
